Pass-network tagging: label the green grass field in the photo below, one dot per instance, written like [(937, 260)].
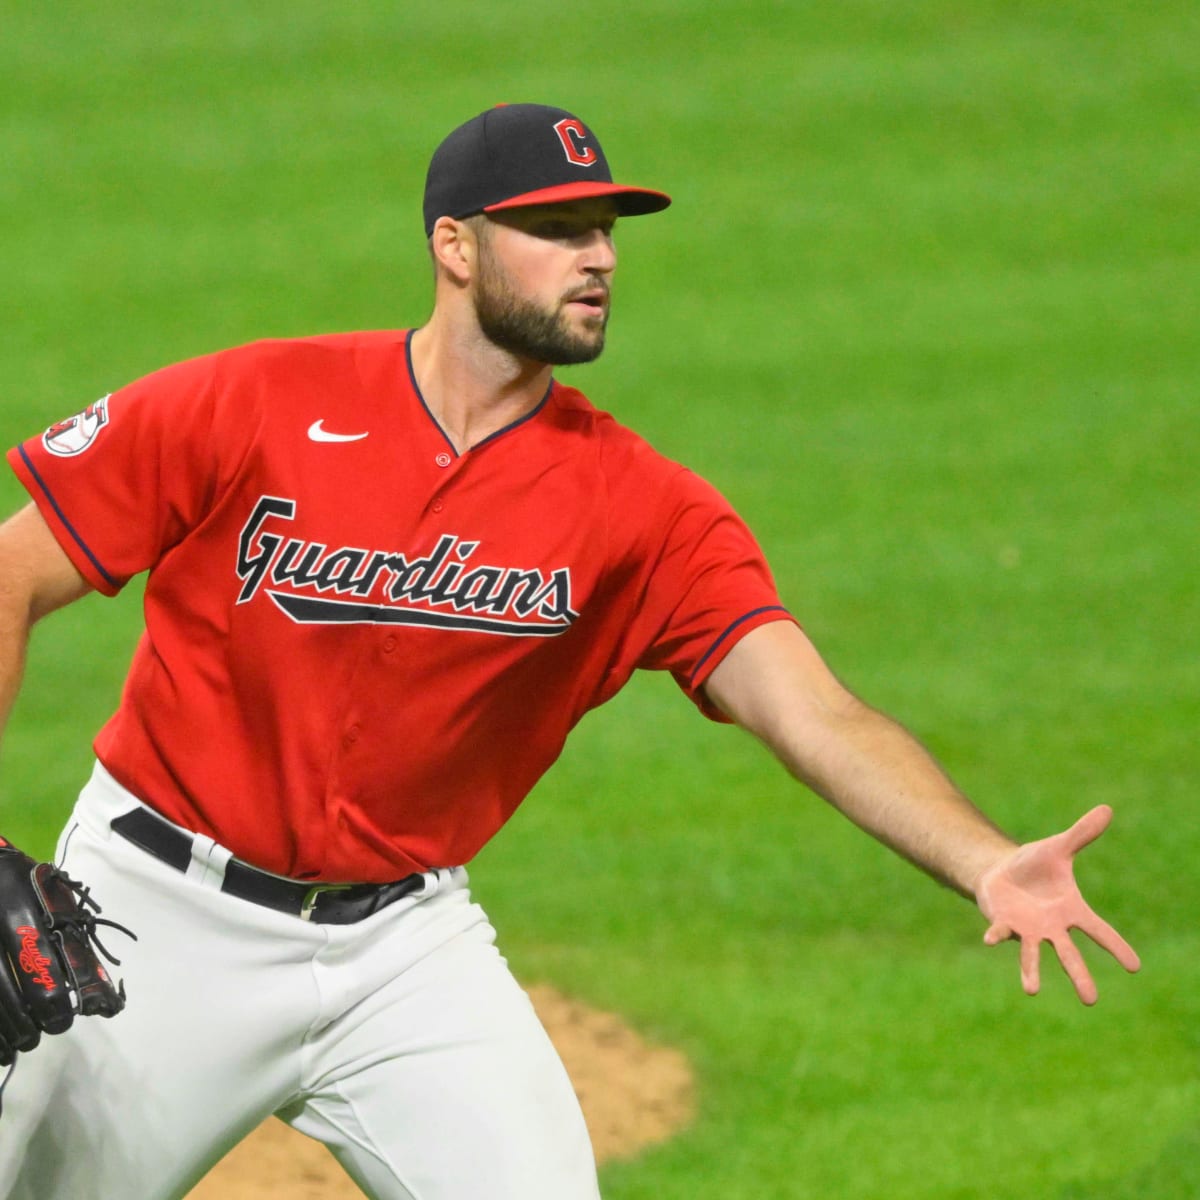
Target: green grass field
[(926, 309)]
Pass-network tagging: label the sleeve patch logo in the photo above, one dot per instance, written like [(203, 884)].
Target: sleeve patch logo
[(75, 434)]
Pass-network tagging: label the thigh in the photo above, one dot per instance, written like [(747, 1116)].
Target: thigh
[(445, 1086), (139, 1105)]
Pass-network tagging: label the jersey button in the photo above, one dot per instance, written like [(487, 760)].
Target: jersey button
[(443, 460), (351, 736), (389, 643), (437, 506)]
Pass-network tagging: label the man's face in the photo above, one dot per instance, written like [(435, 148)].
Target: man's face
[(542, 289)]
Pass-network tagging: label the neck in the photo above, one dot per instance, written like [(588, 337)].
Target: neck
[(471, 386)]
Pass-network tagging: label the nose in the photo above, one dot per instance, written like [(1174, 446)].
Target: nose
[(598, 255)]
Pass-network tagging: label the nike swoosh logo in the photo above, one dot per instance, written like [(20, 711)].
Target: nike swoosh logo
[(318, 433)]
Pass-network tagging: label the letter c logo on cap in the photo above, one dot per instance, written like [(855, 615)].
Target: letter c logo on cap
[(572, 134)]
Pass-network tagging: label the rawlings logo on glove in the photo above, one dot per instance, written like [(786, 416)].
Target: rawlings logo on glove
[(50, 972), (32, 961)]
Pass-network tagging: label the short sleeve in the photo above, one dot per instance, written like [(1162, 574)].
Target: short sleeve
[(122, 481), (709, 585)]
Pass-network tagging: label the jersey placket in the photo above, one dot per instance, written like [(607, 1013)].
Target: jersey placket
[(379, 652), (448, 467)]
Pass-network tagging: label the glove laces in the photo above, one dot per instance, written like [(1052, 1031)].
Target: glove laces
[(83, 921)]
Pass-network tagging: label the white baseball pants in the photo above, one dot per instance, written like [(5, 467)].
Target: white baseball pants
[(402, 1042)]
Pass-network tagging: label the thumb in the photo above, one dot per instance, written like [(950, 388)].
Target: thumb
[(1088, 828)]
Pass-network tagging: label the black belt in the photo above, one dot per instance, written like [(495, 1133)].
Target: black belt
[(327, 903)]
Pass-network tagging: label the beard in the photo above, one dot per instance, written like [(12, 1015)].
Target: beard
[(526, 329)]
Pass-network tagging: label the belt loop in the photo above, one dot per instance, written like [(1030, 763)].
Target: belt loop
[(208, 863), (433, 881)]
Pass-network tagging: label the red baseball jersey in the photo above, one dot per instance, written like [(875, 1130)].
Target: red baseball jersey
[(363, 649)]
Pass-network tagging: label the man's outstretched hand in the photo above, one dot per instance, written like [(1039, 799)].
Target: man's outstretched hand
[(1032, 895)]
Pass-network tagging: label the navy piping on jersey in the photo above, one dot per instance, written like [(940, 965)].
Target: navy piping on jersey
[(740, 621), (491, 437), (62, 516)]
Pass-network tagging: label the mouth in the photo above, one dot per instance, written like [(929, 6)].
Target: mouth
[(595, 299)]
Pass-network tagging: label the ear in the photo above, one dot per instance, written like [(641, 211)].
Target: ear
[(455, 249)]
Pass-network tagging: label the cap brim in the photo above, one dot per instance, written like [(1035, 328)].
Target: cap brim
[(631, 201)]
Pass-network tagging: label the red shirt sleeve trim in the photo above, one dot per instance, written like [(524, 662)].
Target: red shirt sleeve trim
[(28, 474), (699, 670)]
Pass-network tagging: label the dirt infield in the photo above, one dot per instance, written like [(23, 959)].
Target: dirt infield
[(633, 1094)]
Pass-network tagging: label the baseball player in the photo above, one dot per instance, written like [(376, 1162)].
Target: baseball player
[(387, 574)]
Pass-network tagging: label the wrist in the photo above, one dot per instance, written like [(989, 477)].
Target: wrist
[(989, 863)]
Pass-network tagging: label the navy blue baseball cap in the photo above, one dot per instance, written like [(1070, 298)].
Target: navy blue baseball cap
[(515, 155)]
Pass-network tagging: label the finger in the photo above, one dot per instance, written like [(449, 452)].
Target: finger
[(1030, 954), (1106, 937), (1088, 828), (1076, 969), (997, 933)]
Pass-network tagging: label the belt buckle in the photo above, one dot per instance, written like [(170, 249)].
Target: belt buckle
[(314, 894)]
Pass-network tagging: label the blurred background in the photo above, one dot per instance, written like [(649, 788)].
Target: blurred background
[(925, 309)]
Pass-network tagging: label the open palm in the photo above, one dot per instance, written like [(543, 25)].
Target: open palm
[(1032, 896)]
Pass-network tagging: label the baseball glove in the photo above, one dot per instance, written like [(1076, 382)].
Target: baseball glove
[(49, 969)]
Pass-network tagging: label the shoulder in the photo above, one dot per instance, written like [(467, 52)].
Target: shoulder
[(268, 357), (618, 449), (329, 351), (649, 486)]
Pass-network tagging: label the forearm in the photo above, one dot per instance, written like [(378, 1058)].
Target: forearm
[(880, 777), (16, 620), (36, 578), (775, 684), (13, 641)]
